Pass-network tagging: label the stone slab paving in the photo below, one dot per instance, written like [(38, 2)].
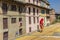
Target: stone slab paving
[(50, 33), (56, 34)]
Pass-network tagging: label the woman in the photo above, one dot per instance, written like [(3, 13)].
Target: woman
[(41, 24)]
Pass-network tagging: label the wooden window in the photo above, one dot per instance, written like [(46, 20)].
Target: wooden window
[(4, 8), (13, 8), (37, 11), (33, 1), (48, 17), (37, 19), (20, 19), (5, 36), (43, 11), (34, 19), (47, 11), (29, 10), (37, 1), (29, 29), (33, 11), (5, 23), (24, 9), (42, 4), (20, 9), (20, 31), (13, 20), (29, 20)]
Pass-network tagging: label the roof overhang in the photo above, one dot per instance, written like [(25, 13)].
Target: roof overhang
[(37, 6)]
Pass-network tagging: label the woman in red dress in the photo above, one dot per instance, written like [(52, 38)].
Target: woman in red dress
[(41, 24)]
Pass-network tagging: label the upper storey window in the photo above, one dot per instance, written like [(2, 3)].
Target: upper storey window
[(43, 11), (13, 7), (4, 8), (47, 11), (37, 11), (37, 1), (42, 4), (33, 1), (29, 10), (29, 20), (20, 9), (20, 19), (33, 11), (5, 23)]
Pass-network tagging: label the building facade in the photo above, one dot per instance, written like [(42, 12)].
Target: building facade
[(52, 16), (18, 17), (57, 17)]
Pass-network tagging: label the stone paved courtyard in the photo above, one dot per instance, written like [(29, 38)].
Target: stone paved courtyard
[(51, 32)]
